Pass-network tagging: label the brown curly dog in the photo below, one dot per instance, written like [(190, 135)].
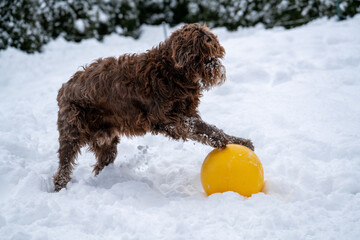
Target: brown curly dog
[(157, 92)]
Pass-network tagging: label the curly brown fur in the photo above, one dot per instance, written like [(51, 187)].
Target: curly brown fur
[(157, 91)]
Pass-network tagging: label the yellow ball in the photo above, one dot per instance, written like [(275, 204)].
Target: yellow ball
[(234, 168)]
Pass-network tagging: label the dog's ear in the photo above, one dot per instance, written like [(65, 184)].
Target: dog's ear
[(179, 55), (183, 46), (182, 52)]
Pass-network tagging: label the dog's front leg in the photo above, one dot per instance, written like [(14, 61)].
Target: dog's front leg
[(196, 129), (200, 131)]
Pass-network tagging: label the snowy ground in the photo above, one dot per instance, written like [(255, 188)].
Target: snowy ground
[(295, 93)]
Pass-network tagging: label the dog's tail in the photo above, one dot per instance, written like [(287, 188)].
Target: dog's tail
[(66, 92)]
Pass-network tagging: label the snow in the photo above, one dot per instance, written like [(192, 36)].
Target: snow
[(295, 93)]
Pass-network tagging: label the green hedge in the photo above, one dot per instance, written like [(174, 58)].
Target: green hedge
[(29, 24)]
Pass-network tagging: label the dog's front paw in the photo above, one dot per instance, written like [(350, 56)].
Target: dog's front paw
[(248, 143), (241, 141)]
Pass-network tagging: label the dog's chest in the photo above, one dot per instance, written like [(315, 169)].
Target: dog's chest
[(185, 106)]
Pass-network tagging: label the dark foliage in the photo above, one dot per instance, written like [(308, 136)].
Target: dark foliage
[(29, 24)]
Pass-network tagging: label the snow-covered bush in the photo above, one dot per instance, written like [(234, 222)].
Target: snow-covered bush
[(20, 26), (287, 13), (29, 24), (119, 16)]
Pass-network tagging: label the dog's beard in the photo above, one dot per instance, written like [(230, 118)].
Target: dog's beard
[(213, 74)]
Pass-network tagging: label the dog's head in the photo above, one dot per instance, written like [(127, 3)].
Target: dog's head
[(197, 50)]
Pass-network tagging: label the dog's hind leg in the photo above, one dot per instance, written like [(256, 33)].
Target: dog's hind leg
[(68, 151), (70, 144), (105, 150)]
